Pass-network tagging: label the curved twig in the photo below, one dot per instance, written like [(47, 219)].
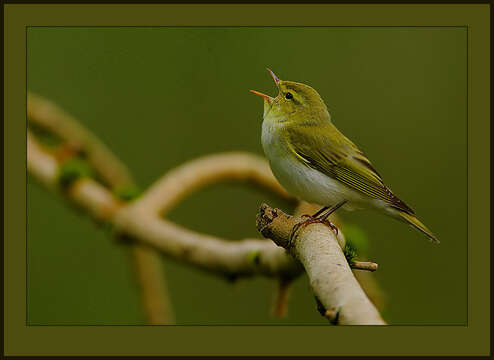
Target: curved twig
[(229, 258), (149, 273), (341, 297), (143, 219), (180, 182), (49, 116)]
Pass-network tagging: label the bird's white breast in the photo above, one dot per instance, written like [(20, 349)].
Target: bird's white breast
[(297, 178)]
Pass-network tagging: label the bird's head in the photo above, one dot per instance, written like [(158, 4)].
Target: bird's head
[(295, 102)]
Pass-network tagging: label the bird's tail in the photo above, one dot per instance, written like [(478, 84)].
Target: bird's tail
[(414, 222)]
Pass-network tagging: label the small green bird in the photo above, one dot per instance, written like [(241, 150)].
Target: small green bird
[(314, 161)]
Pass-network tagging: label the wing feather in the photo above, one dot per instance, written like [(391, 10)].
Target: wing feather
[(340, 159)]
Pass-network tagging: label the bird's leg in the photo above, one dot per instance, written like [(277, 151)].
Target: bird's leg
[(320, 211), (316, 214), (332, 210), (318, 218), (323, 218)]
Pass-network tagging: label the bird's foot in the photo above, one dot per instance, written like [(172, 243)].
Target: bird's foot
[(331, 225), (312, 220)]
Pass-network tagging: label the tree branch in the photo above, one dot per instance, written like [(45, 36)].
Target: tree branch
[(364, 265), (45, 114), (180, 182), (150, 275), (316, 247), (229, 258), (331, 278)]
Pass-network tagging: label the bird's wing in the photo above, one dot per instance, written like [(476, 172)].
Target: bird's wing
[(340, 159)]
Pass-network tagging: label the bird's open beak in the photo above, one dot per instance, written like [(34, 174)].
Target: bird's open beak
[(275, 78), (267, 97)]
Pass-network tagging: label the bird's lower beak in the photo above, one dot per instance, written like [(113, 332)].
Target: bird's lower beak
[(266, 97)]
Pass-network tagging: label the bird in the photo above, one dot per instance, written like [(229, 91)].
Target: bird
[(315, 162)]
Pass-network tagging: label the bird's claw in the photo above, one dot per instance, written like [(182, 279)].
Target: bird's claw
[(311, 220), (332, 226)]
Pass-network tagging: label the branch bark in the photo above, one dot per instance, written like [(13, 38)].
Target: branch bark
[(182, 181), (229, 258), (331, 278), (315, 247), (149, 272), (49, 116)]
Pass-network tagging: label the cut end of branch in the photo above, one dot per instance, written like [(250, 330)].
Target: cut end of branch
[(265, 217), (274, 224)]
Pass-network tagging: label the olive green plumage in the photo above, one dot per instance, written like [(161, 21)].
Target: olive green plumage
[(315, 161), (341, 160)]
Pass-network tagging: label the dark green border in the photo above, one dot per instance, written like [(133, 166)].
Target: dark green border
[(473, 339)]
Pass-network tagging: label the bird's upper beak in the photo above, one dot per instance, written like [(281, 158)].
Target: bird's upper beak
[(275, 78), (268, 98)]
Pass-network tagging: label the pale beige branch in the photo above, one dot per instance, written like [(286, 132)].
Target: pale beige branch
[(229, 258), (50, 117), (305, 208), (364, 265), (165, 193), (144, 218), (152, 282), (315, 247), (281, 297), (41, 164), (330, 276)]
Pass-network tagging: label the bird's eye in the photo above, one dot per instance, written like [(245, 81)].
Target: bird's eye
[(288, 96)]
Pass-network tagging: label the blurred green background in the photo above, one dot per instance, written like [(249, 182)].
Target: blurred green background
[(161, 96)]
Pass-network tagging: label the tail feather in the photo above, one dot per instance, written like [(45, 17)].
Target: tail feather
[(414, 222)]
